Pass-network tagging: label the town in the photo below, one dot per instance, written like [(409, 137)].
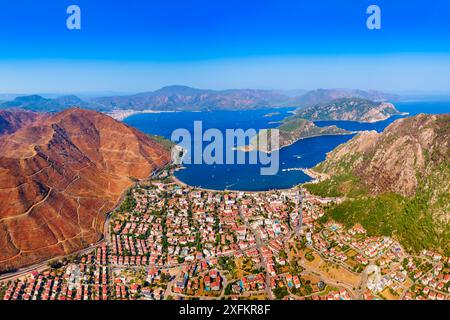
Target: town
[(173, 242)]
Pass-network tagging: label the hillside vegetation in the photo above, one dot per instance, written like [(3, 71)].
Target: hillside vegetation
[(395, 183)]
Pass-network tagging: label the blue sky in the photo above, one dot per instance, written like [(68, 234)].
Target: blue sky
[(139, 45)]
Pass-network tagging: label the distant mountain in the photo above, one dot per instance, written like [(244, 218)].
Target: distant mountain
[(183, 98), (323, 96), (33, 103), (292, 93), (290, 131), (179, 90), (395, 182), (71, 101), (38, 103), (177, 98), (60, 175), (352, 109)]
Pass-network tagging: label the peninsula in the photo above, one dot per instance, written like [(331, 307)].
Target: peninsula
[(290, 131)]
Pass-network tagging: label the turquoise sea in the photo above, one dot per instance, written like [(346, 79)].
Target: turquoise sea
[(303, 154)]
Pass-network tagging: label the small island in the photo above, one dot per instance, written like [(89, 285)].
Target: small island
[(350, 109), (301, 125)]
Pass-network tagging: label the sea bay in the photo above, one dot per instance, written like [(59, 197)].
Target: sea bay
[(305, 153)]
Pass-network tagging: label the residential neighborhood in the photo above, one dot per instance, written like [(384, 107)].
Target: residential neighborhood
[(168, 241)]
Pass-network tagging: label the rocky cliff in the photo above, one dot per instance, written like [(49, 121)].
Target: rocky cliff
[(351, 109), (396, 182)]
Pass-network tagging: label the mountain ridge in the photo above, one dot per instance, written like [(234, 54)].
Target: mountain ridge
[(183, 98), (394, 182), (350, 109), (321, 96)]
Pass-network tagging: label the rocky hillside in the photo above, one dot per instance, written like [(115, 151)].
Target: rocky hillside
[(396, 181), (60, 175), (352, 109), (11, 121)]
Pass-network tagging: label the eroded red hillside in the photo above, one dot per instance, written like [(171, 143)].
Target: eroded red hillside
[(60, 175), (11, 121)]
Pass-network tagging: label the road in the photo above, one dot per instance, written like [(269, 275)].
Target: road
[(45, 264)]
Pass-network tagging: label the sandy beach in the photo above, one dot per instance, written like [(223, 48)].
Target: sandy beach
[(121, 115)]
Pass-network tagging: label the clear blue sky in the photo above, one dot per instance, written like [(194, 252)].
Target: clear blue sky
[(138, 45)]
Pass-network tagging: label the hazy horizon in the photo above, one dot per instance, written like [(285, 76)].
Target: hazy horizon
[(283, 45), (289, 92)]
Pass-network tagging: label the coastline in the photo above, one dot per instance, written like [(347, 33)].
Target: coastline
[(309, 172), (250, 148), (316, 176), (371, 122)]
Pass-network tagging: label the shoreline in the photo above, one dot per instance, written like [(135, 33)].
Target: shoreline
[(316, 176), (309, 172), (369, 122), (249, 148)]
